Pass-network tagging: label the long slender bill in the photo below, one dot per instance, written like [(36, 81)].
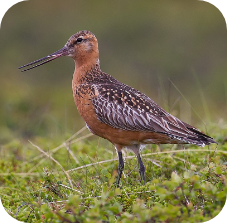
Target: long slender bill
[(62, 52)]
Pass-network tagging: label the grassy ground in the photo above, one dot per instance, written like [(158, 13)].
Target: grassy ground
[(47, 180), (173, 51)]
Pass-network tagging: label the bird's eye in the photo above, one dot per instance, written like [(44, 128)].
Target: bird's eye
[(78, 40)]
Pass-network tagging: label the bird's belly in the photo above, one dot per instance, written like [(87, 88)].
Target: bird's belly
[(123, 137)]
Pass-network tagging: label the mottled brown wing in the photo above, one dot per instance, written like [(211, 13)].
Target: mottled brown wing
[(123, 107)]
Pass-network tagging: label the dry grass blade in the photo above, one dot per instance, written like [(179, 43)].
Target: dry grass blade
[(76, 134), (55, 150), (34, 167), (69, 140), (116, 159), (71, 153), (21, 174), (197, 114), (82, 137), (71, 188), (48, 155), (155, 163), (91, 164), (148, 154)]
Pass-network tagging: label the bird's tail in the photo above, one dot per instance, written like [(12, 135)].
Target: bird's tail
[(199, 138)]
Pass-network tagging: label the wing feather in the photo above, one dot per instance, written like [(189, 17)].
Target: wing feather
[(126, 108), (123, 107)]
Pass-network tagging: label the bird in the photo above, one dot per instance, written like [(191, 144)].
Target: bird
[(115, 111)]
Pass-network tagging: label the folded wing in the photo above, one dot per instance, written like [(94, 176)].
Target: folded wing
[(123, 107)]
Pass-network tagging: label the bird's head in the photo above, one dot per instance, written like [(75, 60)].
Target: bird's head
[(82, 47)]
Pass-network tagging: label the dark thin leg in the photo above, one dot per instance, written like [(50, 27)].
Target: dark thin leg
[(141, 168), (120, 167)]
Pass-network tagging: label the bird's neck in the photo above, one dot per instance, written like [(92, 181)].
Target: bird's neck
[(86, 72)]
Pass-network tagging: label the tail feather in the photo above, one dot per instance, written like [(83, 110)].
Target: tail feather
[(194, 136), (200, 138)]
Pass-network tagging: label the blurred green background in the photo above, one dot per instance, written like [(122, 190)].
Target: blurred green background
[(173, 51)]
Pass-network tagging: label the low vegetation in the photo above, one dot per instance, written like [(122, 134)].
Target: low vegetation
[(73, 181)]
